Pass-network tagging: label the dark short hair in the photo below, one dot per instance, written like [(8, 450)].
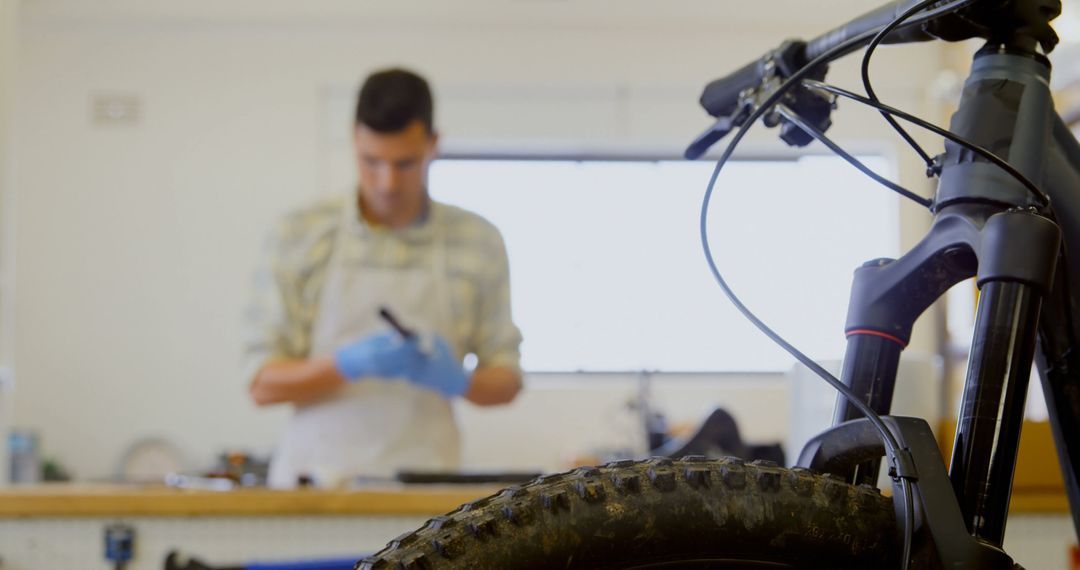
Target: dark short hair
[(390, 99)]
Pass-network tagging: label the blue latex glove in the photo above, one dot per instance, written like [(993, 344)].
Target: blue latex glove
[(383, 354), (434, 367)]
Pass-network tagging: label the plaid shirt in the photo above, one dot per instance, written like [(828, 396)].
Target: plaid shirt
[(294, 265)]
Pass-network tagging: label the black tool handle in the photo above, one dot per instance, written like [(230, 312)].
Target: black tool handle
[(393, 322)]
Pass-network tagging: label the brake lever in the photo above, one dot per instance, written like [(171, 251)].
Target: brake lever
[(717, 131), (775, 68)]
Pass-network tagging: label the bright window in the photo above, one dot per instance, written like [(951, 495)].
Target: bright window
[(607, 267)]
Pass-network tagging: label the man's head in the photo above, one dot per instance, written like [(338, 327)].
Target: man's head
[(395, 141)]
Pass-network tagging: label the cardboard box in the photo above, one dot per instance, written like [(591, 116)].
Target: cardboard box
[(1037, 467)]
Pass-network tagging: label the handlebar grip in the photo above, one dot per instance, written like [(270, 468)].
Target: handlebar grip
[(722, 95)]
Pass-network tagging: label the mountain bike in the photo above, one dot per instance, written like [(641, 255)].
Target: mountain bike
[(1006, 211)]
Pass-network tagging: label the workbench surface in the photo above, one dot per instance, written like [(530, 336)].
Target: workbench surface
[(83, 500)]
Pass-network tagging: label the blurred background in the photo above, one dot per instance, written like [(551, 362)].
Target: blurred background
[(147, 147)]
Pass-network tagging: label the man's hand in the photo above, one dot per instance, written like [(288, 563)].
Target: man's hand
[(434, 367), (427, 361), (382, 354)]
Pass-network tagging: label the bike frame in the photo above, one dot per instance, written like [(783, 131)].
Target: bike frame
[(1024, 257)]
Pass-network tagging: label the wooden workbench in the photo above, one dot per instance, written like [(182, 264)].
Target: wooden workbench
[(62, 525), (80, 500)]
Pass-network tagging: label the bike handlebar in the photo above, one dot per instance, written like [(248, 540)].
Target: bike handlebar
[(721, 96), (874, 21)]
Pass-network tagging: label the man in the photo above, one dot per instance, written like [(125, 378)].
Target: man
[(368, 399)]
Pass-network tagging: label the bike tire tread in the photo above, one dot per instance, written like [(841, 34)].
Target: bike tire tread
[(658, 509)]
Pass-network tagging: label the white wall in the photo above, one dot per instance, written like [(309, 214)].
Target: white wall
[(561, 419), (8, 46), (1035, 541), (135, 243)]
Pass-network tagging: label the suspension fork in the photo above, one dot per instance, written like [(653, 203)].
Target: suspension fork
[(1014, 252), (887, 296), (992, 409)]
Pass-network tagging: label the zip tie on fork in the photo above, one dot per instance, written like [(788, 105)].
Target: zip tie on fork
[(902, 466)]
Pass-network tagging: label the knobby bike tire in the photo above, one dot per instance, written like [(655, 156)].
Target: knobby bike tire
[(659, 513)]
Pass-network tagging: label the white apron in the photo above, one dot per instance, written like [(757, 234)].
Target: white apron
[(374, 426)]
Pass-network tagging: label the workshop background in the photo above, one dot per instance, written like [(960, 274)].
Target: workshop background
[(147, 147)]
